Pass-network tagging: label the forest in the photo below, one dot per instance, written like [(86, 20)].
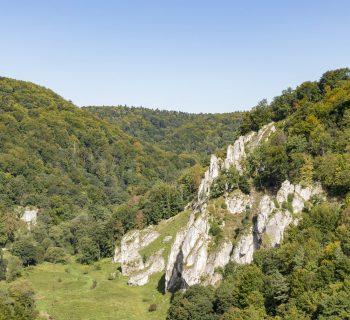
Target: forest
[(95, 173)]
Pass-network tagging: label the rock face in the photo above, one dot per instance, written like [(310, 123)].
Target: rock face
[(238, 202), (243, 252), (273, 221), (128, 253), (155, 263), (189, 252), (29, 216), (190, 261), (194, 256), (209, 176)]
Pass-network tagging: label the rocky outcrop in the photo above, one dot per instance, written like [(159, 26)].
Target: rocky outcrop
[(262, 135), (174, 267), (195, 256), (272, 220), (209, 176), (238, 202), (275, 227), (188, 256), (217, 259), (190, 261), (243, 252), (155, 263), (29, 216), (297, 196), (128, 253), (236, 153)]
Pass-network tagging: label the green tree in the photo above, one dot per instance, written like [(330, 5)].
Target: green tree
[(55, 255), (196, 304), (26, 250), (88, 250), (14, 268)]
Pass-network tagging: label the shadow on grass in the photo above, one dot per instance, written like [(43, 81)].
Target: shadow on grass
[(161, 284)]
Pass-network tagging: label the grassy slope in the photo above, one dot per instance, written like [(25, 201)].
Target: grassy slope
[(68, 295), (64, 291), (166, 228)]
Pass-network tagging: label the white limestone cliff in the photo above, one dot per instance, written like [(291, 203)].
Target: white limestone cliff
[(155, 263), (209, 176), (244, 250), (190, 261), (238, 202), (194, 255), (128, 253), (29, 216)]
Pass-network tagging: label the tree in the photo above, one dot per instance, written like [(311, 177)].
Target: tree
[(88, 250), (195, 304), (26, 250), (331, 79), (2, 266), (276, 290), (17, 302), (268, 164), (14, 268), (162, 202), (55, 255)]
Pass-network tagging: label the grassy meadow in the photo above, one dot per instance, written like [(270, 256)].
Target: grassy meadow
[(66, 292)]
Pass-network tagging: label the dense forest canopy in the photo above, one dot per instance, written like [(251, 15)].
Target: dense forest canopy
[(180, 132)]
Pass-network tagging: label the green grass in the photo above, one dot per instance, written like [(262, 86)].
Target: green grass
[(64, 292), (166, 228)]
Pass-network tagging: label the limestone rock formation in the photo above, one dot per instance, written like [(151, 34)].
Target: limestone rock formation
[(238, 202), (195, 254), (128, 253), (29, 216), (243, 252), (155, 263), (188, 256), (209, 176)]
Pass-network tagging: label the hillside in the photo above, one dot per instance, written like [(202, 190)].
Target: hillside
[(269, 215), (263, 233), (47, 143), (179, 132)]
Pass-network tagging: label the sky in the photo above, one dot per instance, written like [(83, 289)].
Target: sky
[(187, 55)]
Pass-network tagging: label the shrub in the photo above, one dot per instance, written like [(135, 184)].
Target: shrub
[(26, 251), (152, 307), (55, 255), (93, 285), (14, 268)]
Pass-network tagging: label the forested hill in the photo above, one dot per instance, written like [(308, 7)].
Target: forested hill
[(61, 158), (95, 173), (85, 174), (180, 132), (306, 276)]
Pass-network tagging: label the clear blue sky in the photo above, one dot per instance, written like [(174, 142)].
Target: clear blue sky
[(195, 56)]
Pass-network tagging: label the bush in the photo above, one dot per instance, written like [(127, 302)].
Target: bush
[(93, 285), (26, 251), (215, 229), (14, 268), (152, 307), (55, 255), (88, 251)]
